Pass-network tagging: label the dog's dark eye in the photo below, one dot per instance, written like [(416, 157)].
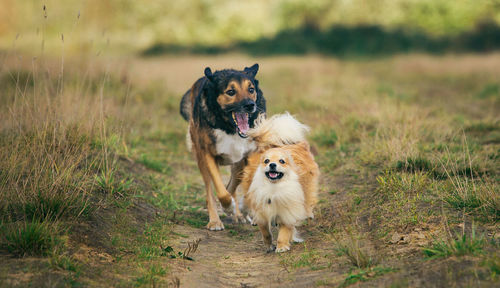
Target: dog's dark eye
[(282, 161), (230, 92), (266, 161), (251, 90)]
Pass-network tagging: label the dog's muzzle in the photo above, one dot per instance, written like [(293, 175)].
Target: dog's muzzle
[(272, 173)]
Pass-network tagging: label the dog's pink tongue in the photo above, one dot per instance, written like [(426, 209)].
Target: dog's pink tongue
[(273, 174), (242, 121)]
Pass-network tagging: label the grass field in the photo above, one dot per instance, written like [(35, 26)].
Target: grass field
[(98, 189)]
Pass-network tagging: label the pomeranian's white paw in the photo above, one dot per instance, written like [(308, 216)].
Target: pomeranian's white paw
[(282, 248), (215, 226), (296, 236)]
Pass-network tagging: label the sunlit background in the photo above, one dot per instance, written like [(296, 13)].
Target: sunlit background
[(124, 26)]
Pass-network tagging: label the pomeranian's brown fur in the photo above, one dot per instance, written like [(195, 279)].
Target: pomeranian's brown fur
[(304, 166)]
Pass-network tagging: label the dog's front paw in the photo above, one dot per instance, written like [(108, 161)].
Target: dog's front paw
[(271, 248), (282, 248), (215, 225)]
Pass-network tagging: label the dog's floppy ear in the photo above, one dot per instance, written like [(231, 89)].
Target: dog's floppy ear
[(208, 74), (252, 71)]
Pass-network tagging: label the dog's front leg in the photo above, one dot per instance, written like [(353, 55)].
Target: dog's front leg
[(224, 196), (214, 223), (267, 237), (284, 237)]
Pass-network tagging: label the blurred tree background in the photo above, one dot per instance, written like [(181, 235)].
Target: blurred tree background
[(156, 26)]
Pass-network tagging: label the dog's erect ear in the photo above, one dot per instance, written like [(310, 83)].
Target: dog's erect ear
[(252, 71), (208, 74)]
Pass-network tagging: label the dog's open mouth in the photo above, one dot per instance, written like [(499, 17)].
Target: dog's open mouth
[(241, 121), (274, 175)]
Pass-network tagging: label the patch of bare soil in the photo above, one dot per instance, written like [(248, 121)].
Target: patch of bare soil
[(223, 260)]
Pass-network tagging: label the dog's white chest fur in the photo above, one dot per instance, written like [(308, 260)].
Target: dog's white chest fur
[(232, 147), (282, 201)]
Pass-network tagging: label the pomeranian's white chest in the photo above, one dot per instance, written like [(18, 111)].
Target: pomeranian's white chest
[(232, 148), (281, 201)]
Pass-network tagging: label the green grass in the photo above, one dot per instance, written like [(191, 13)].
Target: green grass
[(196, 219), (49, 159), (419, 164), (331, 159), (332, 192), (471, 194), (65, 262), (400, 186), (326, 137), (412, 165), (151, 276), (402, 194), (153, 239), (463, 198), (153, 164), (356, 255), (462, 245), (110, 184), (489, 90), (365, 275), (31, 238), (45, 178), (309, 257), (493, 265)]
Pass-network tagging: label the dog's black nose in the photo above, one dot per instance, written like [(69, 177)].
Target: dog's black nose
[(249, 107), (272, 166)]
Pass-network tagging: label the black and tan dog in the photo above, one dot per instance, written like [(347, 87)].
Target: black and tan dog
[(221, 107)]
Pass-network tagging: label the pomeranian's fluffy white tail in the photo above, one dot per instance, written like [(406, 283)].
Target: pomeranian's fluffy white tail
[(279, 130)]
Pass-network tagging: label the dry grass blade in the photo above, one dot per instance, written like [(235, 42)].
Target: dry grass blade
[(191, 249)]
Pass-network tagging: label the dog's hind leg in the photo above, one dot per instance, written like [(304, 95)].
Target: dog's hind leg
[(224, 196), (236, 175), (214, 223), (296, 236), (234, 181), (267, 237)]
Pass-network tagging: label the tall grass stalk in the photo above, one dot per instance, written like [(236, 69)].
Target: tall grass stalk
[(469, 193), (53, 147)]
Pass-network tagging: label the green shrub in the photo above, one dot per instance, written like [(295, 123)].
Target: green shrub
[(31, 238)]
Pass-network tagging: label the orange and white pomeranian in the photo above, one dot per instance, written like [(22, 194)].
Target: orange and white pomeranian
[(280, 180)]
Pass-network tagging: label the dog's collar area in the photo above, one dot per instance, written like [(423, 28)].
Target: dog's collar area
[(274, 175)]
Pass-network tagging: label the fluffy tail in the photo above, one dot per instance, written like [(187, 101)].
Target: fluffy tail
[(279, 130), (185, 106)]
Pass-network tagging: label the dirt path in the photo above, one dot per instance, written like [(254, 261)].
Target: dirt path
[(223, 261), (236, 257)]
